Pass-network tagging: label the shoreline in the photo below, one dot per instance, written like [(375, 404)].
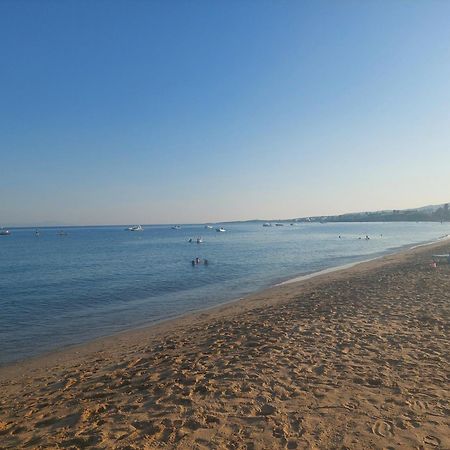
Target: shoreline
[(403, 248), (161, 323), (165, 325), (171, 321), (352, 358)]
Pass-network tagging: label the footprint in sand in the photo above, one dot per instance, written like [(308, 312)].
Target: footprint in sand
[(351, 405), (418, 405), (383, 429), (146, 427), (432, 440)]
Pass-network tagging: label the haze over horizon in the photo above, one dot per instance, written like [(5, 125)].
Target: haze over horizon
[(194, 112), (56, 223)]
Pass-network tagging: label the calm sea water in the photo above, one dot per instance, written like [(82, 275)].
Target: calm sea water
[(62, 290)]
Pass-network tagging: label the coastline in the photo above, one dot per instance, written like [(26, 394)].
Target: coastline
[(164, 325), (308, 276), (167, 321), (205, 358)]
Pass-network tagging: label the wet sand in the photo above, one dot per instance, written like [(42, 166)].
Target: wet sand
[(353, 359)]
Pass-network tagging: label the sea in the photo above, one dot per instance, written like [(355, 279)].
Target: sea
[(60, 289)]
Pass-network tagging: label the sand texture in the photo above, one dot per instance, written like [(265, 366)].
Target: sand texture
[(356, 359)]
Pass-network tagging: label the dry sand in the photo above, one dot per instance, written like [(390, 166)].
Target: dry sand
[(348, 360)]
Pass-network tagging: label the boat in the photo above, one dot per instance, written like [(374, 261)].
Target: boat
[(176, 227), (4, 232), (220, 230), (209, 227), (267, 224), (135, 228), (61, 233), (37, 233), (199, 240), (279, 224)]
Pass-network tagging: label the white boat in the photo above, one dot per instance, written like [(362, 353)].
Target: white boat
[(135, 228), (220, 230), (176, 227), (4, 232), (199, 240), (209, 227), (267, 224)]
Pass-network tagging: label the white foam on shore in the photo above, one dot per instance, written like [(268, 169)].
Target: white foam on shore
[(325, 271), (353, 264), (442, 238)]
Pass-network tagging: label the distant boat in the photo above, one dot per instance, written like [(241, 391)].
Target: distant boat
[(267, 224), (176, 227), (4, 232), (209, 227), (61, 233), (135, 228), (37, 233), (279, 224), (220, 230)]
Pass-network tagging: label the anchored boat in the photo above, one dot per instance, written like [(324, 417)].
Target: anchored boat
[(135, 228)]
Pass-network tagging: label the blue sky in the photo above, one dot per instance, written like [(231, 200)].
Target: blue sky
[(196, 111)]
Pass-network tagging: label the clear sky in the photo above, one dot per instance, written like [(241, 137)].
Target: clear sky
[(196, 111)]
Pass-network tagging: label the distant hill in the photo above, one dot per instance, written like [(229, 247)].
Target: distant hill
[(431, 213)]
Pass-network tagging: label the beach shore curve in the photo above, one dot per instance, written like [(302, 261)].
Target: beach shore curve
[(354, 358)]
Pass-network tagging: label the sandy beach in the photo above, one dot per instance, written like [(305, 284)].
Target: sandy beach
[(353, 359)]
